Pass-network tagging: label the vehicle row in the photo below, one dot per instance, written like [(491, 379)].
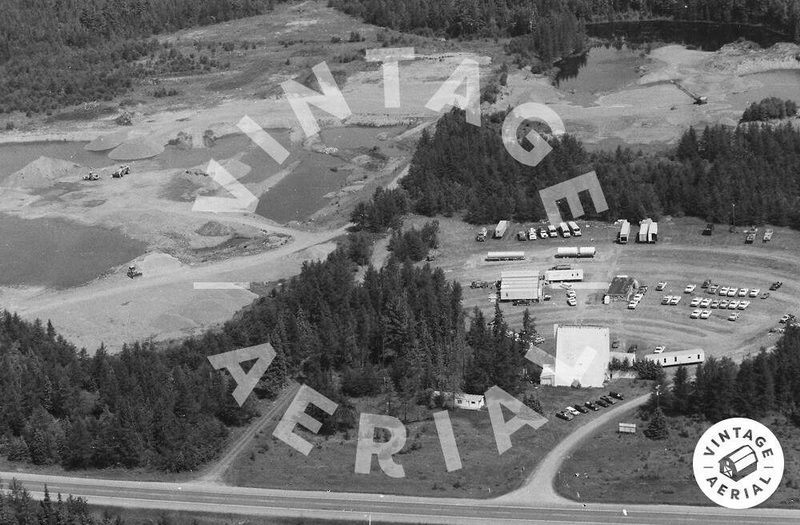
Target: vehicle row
[(569, 413)]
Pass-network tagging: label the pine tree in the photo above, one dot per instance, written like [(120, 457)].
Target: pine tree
[(657, 429)]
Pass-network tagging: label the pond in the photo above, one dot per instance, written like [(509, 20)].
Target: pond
[(601, 69), (708, 36), (59, 253)]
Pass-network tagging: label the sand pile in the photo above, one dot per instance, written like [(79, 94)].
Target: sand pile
[(136, 149), (107, 142), (43, 172), (214, 229)]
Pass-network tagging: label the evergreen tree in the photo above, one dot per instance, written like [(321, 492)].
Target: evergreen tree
[(657, 428)]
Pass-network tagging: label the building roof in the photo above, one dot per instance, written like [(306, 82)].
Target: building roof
[(582, 354), (678, 353)]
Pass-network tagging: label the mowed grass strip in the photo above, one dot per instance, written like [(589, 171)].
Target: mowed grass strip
[(630, 468)]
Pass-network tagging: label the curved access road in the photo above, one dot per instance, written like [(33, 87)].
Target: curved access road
[(540, 485)]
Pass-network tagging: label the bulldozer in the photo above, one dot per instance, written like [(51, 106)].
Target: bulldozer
[(122, 171), (133, 272), (92, 175)]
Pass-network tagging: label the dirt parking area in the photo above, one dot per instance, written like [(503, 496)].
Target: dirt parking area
[(682, 256)]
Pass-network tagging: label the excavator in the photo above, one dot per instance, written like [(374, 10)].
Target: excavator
[(698, 99)]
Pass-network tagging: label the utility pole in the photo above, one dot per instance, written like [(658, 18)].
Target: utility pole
[(658, 396)]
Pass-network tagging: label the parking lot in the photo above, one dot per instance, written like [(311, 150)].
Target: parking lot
[(681, 257)]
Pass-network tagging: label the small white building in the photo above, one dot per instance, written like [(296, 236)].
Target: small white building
[(678, 357), (461, 400)]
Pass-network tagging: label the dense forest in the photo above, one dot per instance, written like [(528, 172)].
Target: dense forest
[(142, 407), (764, 384), (768, 109), (466, 168), (55, 53), (18, 508)]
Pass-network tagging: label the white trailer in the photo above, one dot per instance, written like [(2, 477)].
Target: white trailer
[(652, 232), (567, 252), (624, 232), (587, 251), (500, 229), (561, 276), (574, 228), (678, 357), (505, 256)]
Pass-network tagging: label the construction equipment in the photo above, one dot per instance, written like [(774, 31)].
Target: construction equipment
[(133, 272), (123, 170), (698, 99), (92, 175)]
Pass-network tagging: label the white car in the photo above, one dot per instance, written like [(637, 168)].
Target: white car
[(743, 305), (689, 288), (733, 317), (659, 349), (695, 302), (705, 303), (714, 304), (638, 297), (661, 285), (572, 411), (732, 292), (743, 292), (674, 300), (705, 314), (571, 293), (724, 291), (733, 305), (572, 302), (695, 314), (632, 305), (532, 234), (666, 299), (754, 292)]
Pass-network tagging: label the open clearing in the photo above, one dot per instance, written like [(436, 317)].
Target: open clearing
[(629, 468), (330, 465)]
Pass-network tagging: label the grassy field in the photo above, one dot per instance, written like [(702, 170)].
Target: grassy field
[(629, 468), (330, 465), (154, 517), (682, 256)]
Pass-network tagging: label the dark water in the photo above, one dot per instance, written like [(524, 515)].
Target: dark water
[(15, 156), (59, 253), (301, 193), (708, 36), (600, 69)]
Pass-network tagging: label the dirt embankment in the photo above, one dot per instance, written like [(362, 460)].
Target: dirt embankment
[(744, 58)]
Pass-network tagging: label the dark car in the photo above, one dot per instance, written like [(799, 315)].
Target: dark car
[(601, 403), (591, 406), (774, 286), (608, 400), (706, 283), (581, 409), (566, 416), (765, 295), (615, 395)]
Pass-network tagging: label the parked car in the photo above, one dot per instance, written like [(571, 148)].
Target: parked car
[(572, 411), (754, 292), (706, 283), (581, 409), (565, 416), (705, 314), (733, 317), (774, 286), (743, 305), (571, 293), (765, 295), (743, 292), (733, 305), (689, 288), (723, 291), (732, 292), (666, 299), (661, 285), (615, 395), (695, 302), (714, 304), (723, 304), (695, 314), (659, 349), (572, 302), (713, 289), (608, 400), (674, 300), (591, 406), (705, 303), (638, 297), (543, 233), (601, 403)]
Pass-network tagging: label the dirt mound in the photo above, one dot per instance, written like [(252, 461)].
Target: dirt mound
[(43, 172), (214, 229), (107, 142), (142, 148)]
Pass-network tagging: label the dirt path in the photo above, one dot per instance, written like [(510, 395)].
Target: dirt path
[(218, 469), (539, 487)]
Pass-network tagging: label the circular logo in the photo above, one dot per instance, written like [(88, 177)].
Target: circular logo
[(738, 463)]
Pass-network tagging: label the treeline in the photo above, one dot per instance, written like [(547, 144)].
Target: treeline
[(465, 168), (761, 385), (143, 407), (55, 53), (768, 109), (18, 508), (547, 29)]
